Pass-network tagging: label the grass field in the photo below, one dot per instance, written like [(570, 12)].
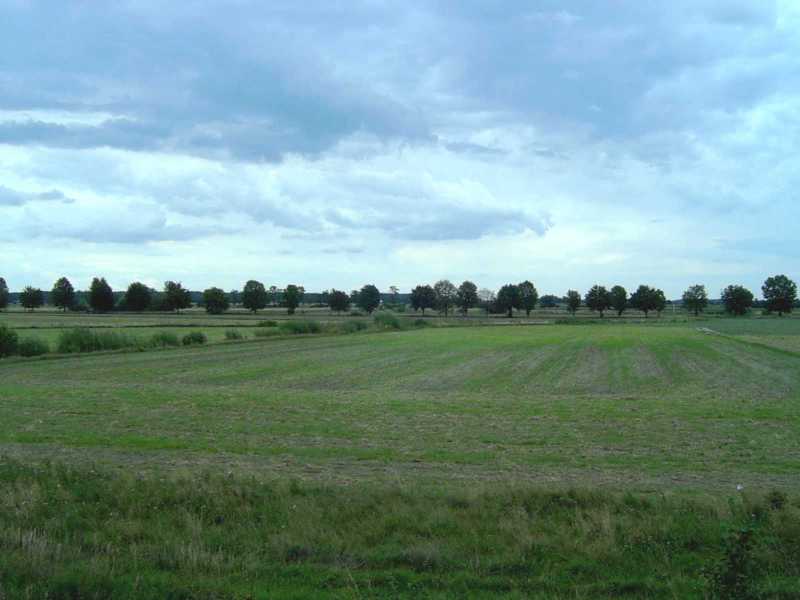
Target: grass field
[(422, 461)]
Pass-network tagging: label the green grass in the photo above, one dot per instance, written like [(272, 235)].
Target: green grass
[(429, 462)]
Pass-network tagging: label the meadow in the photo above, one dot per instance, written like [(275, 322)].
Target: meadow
[(613, 459)]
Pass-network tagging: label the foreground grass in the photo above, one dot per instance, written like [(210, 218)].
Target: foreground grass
[(67, 533)]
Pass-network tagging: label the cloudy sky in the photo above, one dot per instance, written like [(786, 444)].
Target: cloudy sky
[(333, 144)]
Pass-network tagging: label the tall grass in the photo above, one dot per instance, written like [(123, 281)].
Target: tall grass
[(87, 340), (69, 533), (300, 326)]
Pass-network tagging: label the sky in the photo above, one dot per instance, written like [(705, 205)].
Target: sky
[(334, 144)]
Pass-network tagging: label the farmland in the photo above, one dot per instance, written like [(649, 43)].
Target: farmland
[(452, 442)]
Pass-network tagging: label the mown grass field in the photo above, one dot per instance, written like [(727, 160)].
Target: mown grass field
[(429, 462)]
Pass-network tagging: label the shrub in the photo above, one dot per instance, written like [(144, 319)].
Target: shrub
[(81, 339), (421, 323), (232, 334), (267, 324), (33, 347), (9, 341), (387, 320), (195, 337), (352, 326), (356, 313), (300, 327), (164, 339)]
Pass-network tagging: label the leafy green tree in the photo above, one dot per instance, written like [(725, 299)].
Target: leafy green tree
[(101, 296), (3, 294), (618, 297), (215, 300), (467, 296), (138, 297), (446, 294), (529, 296), (254, 296), (291, 298), (235, 297), (63, 294), (487, 299), (737, 299), (31, 298), (176, 297), (659, 301), (339, 301), (573, 301), (695, 299), (548, 301), (369, 298), (780, 294), (598, 299), (644, 299), (509, 298), (423, 297)]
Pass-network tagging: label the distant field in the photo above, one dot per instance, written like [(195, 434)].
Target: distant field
[(544, 461)]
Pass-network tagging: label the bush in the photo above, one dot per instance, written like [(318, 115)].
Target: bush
[(81, 339), (387, 320), (33, 347), (352, 326), (300, 327), (267, 324), (195, 337), (9, 341), (356, 313), (232, 334), (164, 339), (421, 323)]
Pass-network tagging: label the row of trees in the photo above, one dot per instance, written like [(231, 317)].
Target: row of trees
[(779, 292)]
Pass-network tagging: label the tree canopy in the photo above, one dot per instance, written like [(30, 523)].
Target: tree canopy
[(619, 299), (138, 297), (31, 298), (215, 300), (528, 296), (573, 301), (598, 299), (101, 296), (63, 294), (467, 296), (446, 294), (647, 299), (339, 301), (509, 298), (695, 298), (780, 294), (254, 296), (291, 298), (3, 294), (423, 297), (737, 299), (369, 298), (175, 296)]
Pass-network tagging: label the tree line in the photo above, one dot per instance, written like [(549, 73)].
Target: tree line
[(779, 293)]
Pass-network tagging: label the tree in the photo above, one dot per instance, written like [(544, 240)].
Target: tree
[(548, 301), (529, 296), (339, 301), (3, 294), (509, 298), (598, 299), (63, 294), (176, 297), (618, 297), (695, 299), (138, 297), (422, 297), (445, 295), (737, 299), (487, 299), (215, 300), (659, 301), (273, 294), (254, 296), (101, 296), (644, 299), (369, 298), (394, 290), (235, 297), (780, 294), (467, 296), (573, 301), (291, 298), (31, 298)]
